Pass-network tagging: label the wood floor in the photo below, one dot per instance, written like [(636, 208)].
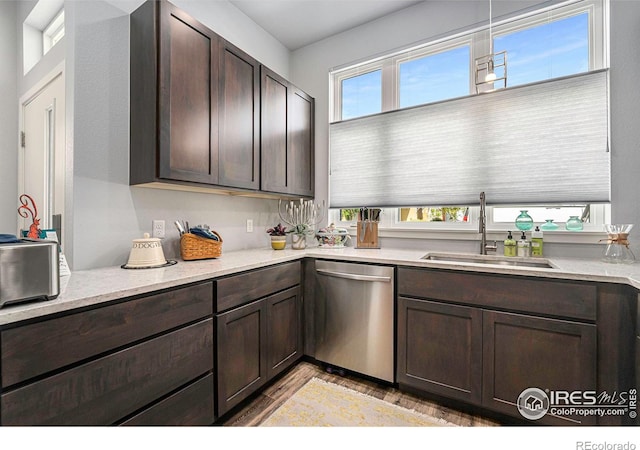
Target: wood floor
[(254, 413)]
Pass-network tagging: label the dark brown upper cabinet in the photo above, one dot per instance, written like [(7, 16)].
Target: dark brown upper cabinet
[(287, 137), (197, 111), (239, 119), (174, 97)]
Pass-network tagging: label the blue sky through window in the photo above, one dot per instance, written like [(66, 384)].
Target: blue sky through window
[(362, 95), (435, 77), (537, 53), (546, 51)]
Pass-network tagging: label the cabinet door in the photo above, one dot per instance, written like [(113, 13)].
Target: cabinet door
[(284, 330), (105, 390), (242, 357), (300, 164), (523, 352), (188, 98), (239, 93), (439, 348), (274, 141)]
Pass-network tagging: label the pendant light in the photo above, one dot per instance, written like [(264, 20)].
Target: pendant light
[(490, 77), (485, 72)]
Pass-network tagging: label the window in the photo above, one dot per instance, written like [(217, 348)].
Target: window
[(435, 77), (53, 32), (550, 43), (549, 50), (362, 95)]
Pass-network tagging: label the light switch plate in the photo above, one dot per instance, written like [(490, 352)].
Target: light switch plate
[(249, 225)]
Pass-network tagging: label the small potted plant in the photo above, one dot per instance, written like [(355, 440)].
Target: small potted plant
[(278, 237), (299, 235)]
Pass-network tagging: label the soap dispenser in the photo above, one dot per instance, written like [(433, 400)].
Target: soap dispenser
[(524, 247), (536, 242), (510, 246)]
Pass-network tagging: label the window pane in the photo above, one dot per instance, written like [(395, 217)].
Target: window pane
[(435, 77), (348, 215), (362, 95), (539, 214), (546, 51), (428, 214)]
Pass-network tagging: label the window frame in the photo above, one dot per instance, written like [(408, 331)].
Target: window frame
[(478, 40)]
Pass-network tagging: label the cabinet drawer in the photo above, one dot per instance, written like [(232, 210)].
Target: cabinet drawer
[(559, 298), (35, 349), (192, 405), (239, 289), (106, 390)]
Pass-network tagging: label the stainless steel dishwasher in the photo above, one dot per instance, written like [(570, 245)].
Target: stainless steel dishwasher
[(354, 316)]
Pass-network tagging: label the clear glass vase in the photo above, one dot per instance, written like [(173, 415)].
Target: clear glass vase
[(574, 224), (524, 221), (618, 251), (548, 225)]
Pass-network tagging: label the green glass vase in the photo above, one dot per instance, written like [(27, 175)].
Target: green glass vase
[(574, 224), (524, 221)]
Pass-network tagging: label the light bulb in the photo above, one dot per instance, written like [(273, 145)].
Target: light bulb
[(491, 76)]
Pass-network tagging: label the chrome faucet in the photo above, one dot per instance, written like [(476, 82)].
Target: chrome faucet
[(484, 247)]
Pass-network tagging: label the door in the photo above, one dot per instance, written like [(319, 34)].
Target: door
[(274, 132), (239, 119), (42, 159), (188, 98), (284, 330), (242, 357), (300, 164), (440, 348), (521, 352)]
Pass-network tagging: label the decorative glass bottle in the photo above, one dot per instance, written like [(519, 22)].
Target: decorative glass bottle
[(548, 225), (524, 221), (574, 224), (618, 251)]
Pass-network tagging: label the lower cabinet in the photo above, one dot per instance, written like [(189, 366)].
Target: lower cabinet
[(140, 361), (440, 348), (255, 342), (488, 358), (521, 352)]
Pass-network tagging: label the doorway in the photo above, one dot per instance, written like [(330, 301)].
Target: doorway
[(41, 161)]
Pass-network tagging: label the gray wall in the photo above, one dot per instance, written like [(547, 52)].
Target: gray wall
[(426, 21), (8, 119), (107, 212)]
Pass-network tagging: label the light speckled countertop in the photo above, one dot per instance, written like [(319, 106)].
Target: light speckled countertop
[(90, 287)]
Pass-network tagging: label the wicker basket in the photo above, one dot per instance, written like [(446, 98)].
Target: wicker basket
[(196, 247)]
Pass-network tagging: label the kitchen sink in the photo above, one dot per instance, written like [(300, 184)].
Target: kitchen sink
[(489, 259)]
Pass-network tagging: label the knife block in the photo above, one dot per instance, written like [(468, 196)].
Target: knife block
[(367, 234)]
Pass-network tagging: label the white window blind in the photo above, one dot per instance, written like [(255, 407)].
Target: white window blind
[(540, 143)]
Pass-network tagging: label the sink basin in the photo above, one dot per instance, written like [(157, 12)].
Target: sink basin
[(489, 259)]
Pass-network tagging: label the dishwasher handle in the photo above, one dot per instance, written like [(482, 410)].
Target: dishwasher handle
[(353, 276)]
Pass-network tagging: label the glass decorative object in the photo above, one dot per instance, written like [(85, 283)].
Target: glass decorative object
[(574, 224), (548, 225), (618, 251), (524, 221)]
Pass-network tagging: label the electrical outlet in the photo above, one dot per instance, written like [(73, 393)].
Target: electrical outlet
[(249, 225), (158, 229)]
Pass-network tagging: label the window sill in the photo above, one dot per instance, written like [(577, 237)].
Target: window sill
[(560, 236)]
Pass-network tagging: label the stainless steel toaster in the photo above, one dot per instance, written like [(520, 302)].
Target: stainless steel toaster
[(29, 270)]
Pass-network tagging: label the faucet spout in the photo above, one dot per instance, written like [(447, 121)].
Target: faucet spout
[(482, 228)]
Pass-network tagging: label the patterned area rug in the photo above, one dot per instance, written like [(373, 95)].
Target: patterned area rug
[(322, 404)]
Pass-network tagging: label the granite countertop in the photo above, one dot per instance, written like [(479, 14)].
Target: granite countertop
[(90, 287)]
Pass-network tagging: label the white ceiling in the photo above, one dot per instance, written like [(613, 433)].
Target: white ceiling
[(296, 23)]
